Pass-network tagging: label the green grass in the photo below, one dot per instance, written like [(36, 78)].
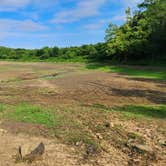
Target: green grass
[(79, 59), (32, 114), (132, 71), (137, 111), (133, 111), (59, 121), (1, 108)]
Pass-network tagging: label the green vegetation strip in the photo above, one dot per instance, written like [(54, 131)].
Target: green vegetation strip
[(154, 73), (137, 111), (1, 108), (133, 111)]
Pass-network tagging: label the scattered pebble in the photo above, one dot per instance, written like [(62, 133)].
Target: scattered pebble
[(2, 131), (99, 136)]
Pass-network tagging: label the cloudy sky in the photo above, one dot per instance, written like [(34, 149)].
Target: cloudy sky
[(38, 23)]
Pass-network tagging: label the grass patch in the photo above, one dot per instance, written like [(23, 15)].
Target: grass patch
[(134, 135), (32, 114), (58, 120), (132, 111), (80, 59), (2, 108), (137, 111), (152, 73)]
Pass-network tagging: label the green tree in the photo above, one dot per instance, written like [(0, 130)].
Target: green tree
[(55, 52), (111, 32), (143, 35)]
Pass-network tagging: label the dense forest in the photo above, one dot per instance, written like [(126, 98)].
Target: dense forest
[(140, 39)]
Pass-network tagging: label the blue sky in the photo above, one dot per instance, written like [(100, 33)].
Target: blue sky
[(38, 23)]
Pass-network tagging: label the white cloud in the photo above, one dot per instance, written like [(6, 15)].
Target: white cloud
[(88, 8), (131, 2), (9, 25), (7, 5), (101, 23), (83, 9), (97, 24), (13, 5), (33, 15), (83, 6), (119, 18)]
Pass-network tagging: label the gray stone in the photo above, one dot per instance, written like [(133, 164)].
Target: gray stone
[(142, 148)]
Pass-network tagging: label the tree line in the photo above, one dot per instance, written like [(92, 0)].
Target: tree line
[(82, 52), (141, 38)]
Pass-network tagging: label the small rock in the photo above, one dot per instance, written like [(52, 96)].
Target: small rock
[(79, 143), (112, 124), (142, 148), (136, 161), (99, 136), (162, 142), (107, 125), (129, 142), (2, 131), (35, 154), (91, 149)]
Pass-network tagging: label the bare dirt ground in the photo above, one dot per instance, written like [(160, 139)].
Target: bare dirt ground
[(56, 153), (68, 85)]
